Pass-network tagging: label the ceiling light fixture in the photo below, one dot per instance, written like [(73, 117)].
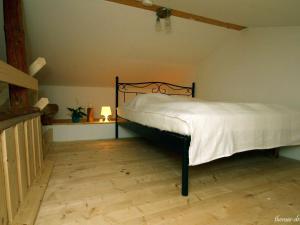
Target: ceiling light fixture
[(163, 13)]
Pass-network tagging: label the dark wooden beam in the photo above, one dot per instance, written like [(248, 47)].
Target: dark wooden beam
[(15, 49), (181, 14)]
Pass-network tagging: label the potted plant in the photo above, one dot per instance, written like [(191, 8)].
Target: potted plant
[(77, 114)]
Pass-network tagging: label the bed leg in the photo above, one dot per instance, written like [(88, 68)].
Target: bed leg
[(116, 129), (185, 169), (116, 107)]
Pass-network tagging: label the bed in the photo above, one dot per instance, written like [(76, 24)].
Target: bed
[(205, 130)]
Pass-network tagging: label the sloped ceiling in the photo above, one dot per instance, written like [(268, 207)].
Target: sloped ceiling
[(87, 43)]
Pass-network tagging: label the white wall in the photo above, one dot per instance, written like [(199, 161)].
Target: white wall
[(258, 65), (261, 64), (65, 96)]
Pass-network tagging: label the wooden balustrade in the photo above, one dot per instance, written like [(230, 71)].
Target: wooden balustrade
[(21, 167), (24, 173)]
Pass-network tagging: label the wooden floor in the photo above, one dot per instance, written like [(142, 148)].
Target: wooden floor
[(133, 182)]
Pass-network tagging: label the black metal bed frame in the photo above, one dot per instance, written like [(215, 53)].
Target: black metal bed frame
[(154, 133)]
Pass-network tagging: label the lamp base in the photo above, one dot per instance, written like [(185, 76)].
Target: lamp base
[(105, 120)]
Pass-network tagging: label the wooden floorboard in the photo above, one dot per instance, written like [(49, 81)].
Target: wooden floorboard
[(134, 182), (29, 209)]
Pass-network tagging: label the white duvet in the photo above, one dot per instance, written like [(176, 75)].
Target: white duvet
[(217, 129)]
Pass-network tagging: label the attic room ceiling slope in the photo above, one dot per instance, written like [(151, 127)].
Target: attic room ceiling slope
[(88, 43)]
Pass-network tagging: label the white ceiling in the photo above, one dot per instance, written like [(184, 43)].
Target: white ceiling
[(250, 13), (88, 43)]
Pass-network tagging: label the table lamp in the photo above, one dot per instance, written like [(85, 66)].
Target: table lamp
[(106, 112)]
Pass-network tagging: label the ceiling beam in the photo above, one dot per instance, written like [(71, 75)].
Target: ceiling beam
[(181, 14)]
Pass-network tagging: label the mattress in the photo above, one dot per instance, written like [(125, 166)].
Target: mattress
[(217, 129)]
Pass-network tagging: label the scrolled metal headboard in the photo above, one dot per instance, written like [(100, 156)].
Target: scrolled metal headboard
[(153, 87), (149, 87)]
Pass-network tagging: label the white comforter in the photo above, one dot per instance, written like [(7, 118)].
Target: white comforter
[(217, 129)]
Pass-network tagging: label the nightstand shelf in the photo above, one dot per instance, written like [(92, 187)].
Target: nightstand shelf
[(66, 130), (83, 121)]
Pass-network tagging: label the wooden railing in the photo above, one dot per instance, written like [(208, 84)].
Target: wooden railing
[(13, 76), (24, 173), (21, 167)]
